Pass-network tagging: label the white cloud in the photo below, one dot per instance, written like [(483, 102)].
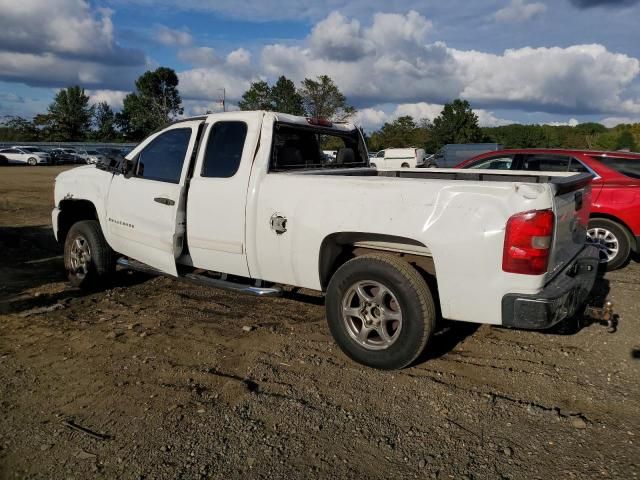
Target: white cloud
[(391, 61), (370, 118), (418, 110), (580, 78), (113, 97), (50, 70), (171, 37), (520, 11), (572, 122), (488, 119), (337, 38), (199, 56), (64, 28), (613, 121)]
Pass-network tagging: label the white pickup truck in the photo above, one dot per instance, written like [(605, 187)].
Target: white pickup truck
[(247, 201)]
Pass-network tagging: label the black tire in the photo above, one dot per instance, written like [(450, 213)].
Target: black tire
[(32, 161), (406, 288), (405, 165), (617, 233), (87, 273)]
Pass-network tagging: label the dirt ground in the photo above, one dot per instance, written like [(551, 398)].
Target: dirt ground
[(169, 383)]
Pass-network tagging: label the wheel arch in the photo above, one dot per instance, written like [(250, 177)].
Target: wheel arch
[(606, 216), (338, 248), (72, 211)]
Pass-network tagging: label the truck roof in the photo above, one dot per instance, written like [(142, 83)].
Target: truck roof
[(280, 117)]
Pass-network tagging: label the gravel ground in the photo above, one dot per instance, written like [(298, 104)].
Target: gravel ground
[(171, 380)]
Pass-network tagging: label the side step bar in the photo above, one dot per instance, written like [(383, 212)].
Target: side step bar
[(207, 281)]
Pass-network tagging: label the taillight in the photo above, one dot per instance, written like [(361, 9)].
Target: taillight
[(527, 242)]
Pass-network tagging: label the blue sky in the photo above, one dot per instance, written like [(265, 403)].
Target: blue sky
[(530, 61)]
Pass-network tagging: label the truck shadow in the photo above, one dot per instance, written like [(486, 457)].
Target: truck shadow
[(32, 268), (580, 320)]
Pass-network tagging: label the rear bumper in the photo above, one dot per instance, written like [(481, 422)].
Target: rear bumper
[(559, 299)]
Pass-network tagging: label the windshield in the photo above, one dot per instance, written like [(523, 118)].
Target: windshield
[(297, 147), (629, 167), (92, 152)]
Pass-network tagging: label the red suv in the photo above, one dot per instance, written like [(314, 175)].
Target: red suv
[(614, 226)]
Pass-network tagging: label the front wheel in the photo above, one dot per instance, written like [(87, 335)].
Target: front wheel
[(32, 161), (88, 259), (612, 242), (380, 311)]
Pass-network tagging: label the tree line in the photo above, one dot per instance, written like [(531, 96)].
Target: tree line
[(156, 101)]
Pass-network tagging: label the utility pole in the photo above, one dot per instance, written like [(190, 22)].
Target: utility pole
[(222, 100)]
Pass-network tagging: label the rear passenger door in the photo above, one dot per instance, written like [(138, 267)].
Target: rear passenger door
[(218, 193)]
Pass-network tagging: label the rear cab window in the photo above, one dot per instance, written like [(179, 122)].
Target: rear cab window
[(298, 147)]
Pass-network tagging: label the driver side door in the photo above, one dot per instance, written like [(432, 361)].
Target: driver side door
[(146, 208)]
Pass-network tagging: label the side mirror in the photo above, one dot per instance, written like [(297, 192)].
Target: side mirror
[(127, 167)]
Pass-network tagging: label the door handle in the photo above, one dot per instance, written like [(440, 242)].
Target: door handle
[(164, 201)]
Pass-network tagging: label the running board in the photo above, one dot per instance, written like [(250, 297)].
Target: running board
[(207, 281), (233, 286)]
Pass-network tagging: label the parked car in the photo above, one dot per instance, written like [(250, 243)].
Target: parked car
[(452, 154), (614, 224), (249, 204), (59, 156), (90, 156), (25, 155), (398, 158)]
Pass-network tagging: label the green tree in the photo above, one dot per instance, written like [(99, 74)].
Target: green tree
[(402, 132), (456, 124), (258, 97), (285, 98), (625, 141), (69, 115), (18, 129), (321, 98), (155, 102), (104, 120)]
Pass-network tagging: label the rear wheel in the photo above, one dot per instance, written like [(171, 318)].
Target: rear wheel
[(612, 241), (380, 311), (88, 258), (405, 165)]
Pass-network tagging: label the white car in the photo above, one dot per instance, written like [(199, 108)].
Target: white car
[(246, 201), (89, 156), (398, 158), (25, 155)]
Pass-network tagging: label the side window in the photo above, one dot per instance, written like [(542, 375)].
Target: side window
[(380, 154), (163, 158), (495, 163), (224, 149), (545, 163)]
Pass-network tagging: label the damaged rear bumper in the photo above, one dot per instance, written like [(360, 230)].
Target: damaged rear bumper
[(559, 299)]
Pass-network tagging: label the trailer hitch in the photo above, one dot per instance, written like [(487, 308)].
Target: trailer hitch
[(603, 315)]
